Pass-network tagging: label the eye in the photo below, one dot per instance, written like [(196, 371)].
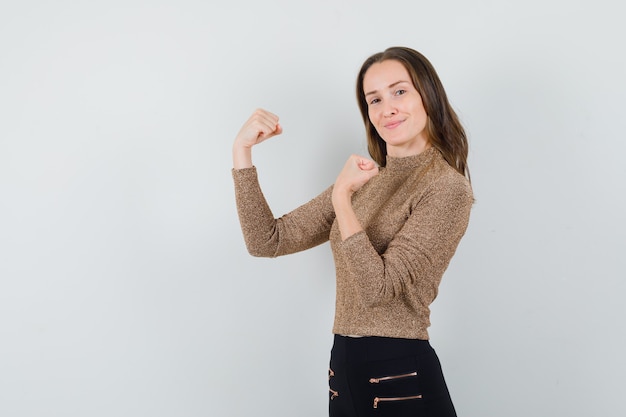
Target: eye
[(400, 92), (374, 101)]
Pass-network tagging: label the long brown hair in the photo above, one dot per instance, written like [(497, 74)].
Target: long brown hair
[(445, 131)]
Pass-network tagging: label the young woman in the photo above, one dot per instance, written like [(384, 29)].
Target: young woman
[(393, 222)]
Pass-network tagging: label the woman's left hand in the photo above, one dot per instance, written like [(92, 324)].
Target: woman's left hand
[(355, 174)]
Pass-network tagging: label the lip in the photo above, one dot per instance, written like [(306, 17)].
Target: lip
[(393, 124)]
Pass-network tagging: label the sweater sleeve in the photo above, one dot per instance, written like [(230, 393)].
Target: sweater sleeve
[(265, 236), (418, 255)]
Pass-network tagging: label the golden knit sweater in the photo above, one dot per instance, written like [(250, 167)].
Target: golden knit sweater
[(414, 213)]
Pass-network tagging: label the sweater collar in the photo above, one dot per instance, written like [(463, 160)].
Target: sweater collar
[(397, 164)]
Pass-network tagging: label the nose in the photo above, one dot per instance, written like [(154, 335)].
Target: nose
[(390, 110)]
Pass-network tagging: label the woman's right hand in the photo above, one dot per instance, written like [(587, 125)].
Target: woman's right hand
[(261, 126)]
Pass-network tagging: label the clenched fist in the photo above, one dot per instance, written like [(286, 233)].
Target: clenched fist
[(261, 126)]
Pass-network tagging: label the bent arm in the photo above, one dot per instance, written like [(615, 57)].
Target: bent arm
[(418, 255), (266, 236)]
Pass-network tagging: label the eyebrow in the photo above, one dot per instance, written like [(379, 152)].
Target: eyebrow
[(390, 86)]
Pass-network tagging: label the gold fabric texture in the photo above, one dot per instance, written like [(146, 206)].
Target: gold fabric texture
[(414, 214)]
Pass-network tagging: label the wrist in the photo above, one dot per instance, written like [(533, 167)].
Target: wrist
[(242, 157), (342, 196)]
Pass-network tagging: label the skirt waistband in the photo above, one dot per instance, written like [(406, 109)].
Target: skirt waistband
[(371, 348)]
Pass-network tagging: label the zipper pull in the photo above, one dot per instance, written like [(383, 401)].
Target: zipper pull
[(376, 400), (390, 378), (333, 394)]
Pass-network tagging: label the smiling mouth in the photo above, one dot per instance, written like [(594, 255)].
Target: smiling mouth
[(393, 125)]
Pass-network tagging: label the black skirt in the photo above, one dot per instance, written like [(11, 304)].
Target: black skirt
[(382, 376)]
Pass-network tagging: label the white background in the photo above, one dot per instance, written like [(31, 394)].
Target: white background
[(125, 287)]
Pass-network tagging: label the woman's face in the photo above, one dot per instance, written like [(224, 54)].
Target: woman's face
[(395, 108)]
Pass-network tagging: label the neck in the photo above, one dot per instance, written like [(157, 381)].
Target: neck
[(414, 149)]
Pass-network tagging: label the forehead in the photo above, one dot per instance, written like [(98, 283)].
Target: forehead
[(383, 74)]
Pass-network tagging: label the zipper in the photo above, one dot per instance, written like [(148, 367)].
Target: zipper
[(390, 378), (385, 399), (333, 394)]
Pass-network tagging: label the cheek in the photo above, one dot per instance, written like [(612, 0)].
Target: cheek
[(420, 113), (372, 115)]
